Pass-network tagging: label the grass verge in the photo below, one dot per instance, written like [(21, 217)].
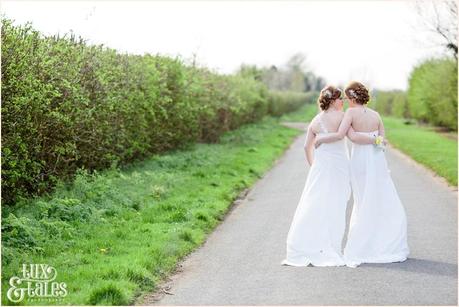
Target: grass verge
[(113, 235), (436, 151)]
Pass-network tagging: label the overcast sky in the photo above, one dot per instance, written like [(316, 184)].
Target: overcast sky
[(376, 42)]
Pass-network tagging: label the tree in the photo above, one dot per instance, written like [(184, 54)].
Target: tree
[(250, 71), (292, 76), (440, 18)]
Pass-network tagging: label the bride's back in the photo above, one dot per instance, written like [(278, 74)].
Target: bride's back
[(364, 119), (331, 120)]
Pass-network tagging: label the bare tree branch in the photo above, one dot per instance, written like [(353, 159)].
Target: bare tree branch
[(440, 18)]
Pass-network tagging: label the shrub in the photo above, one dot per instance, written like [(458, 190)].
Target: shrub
[(432, 93), (391, 103), (68, 106)]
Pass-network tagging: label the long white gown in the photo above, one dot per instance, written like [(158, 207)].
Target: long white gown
[(378, 225), (316, 232)]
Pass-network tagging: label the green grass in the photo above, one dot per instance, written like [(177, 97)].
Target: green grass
[(430, 148), (113, 235), (437, 151), (303, 114)]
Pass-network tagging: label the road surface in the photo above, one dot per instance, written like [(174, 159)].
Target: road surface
[(239, 264)]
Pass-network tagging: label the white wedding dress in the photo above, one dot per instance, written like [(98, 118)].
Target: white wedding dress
[(378, 226), (316, 232)]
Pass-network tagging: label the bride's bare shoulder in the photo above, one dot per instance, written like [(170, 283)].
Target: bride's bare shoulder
[(374, 112), (315, 118), (313, 122), (349, 111)]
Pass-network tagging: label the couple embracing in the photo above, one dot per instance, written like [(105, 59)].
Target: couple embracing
[(378, 226)]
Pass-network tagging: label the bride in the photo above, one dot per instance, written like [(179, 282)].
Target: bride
[(378, 227), (316, 232)]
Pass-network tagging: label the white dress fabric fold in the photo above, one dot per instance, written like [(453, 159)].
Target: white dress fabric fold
[(378, 225), (317, 229)]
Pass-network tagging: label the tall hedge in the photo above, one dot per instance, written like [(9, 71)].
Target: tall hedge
[(392, 103), (432, 92), (67, 105)]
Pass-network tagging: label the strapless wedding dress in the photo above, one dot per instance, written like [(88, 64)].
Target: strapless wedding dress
[(378, 225), (317, 229)]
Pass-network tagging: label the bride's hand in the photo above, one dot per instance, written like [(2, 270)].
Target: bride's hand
[(383, 140), (317, 142)]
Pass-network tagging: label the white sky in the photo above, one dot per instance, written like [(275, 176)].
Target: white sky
[(375, 42)]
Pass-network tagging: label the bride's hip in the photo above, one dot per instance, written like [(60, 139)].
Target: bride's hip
[(333, 161), (330, 156), (331, 150)]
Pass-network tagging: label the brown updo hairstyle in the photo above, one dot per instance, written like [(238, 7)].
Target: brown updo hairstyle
[(358, 92), (327, 95)]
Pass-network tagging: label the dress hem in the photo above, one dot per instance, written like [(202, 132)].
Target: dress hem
[(383, 259), (325, 264)]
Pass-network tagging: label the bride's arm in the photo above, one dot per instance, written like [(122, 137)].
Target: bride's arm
[(381, 127), (335, 136), (382, 131), (309, 144), (359, 138)]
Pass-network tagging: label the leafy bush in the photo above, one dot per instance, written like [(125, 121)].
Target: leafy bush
[(19, 232), (432, 93), (391, 103), (68, 106), (286, 102)]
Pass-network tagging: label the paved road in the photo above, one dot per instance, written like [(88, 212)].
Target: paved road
[(239, 264)]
